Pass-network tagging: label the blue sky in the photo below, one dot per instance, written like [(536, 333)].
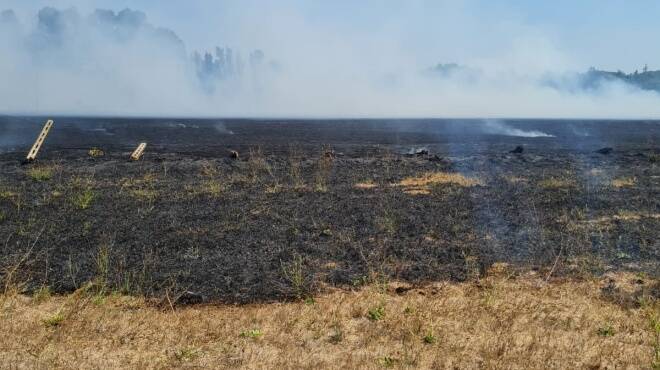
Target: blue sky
[(605, 33)]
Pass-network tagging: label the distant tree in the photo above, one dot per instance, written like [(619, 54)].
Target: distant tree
[(8, 16), (446, 70), (209, 65), (222, 62), (197, 59), (646, 68), (239, 64), (229, 60), (256, 57)]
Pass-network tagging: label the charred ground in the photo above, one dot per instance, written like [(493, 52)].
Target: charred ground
[(312, 204)]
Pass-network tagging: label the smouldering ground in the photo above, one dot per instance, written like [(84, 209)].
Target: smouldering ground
[(501, 321), (273, 225)]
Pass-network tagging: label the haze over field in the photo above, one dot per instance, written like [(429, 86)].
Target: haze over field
[(328, 59)]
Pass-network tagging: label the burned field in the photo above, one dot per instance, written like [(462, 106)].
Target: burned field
[(312, 205)]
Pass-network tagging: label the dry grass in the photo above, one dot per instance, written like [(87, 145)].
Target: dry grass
[(211, 188), (514, 180), (623, 215), (142, 188), (324, 166), (83, 199), (496, 323), (295, 169), (423, 184), (366, 185), (556, 183), (13, 197), (41, 173), (208, 170), (624, 182), (96, 152)]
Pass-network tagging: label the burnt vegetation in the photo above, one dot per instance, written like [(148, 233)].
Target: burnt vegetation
[(396, 244), (283, 222)]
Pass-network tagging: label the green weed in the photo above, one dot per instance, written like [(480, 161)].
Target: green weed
[(42, 294), (53, 320), (388, 361), (606, 331), (376, 313), (40, 173), (84, 199), (429, 338), (294, 273), (187, 354), (655, 326), (253, 334)]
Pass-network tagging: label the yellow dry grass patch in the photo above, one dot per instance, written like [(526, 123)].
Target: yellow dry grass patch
[(628, 216), (556, 183), (365, 185), (498, 323), (624, 182), (208, 187), (515, 179), (143, 188), (422, 184), (8, 194)]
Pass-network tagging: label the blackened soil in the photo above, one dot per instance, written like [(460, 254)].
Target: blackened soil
[(316, 203)]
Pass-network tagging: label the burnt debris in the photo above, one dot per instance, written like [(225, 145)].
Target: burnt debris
[(418, 152), (518, 150), (605, 151)]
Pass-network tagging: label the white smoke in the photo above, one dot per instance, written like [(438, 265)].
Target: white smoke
[(121, 63), (495, 127)]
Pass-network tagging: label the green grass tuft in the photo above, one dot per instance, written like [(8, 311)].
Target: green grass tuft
[(606, 331), (40, 173), (54, 320), (254, 334), (84, 199), (376, 313)]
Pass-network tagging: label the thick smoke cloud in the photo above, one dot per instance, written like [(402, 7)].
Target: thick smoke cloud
[(119, 63)]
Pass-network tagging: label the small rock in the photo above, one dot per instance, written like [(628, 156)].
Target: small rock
[(610, 288), (435, 158), (189, 297), (402, 289), (605, 151), (418, 152), (518, 150)]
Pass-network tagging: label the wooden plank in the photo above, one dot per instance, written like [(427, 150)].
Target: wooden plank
[(32, 155), (139, 151)]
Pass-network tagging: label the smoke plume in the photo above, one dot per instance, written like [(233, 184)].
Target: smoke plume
[(272, 59)]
